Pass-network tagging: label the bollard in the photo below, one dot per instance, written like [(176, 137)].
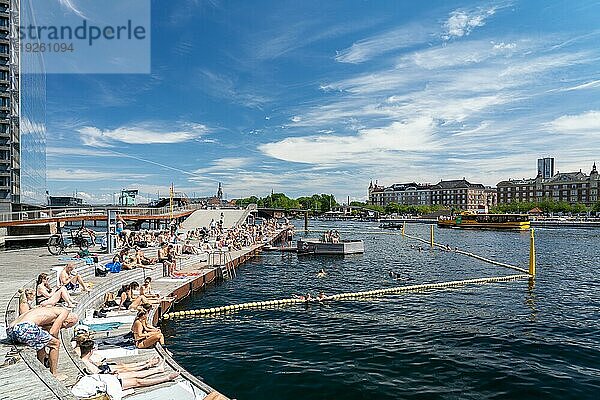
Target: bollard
[(431, 236), (532, 253), (403, 227)]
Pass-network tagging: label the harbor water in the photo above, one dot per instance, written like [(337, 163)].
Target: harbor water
[(511, 340)]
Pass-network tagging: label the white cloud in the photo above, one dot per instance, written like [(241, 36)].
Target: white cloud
[(461, 23), (141, 134), (505, 46), (462, 53), (585, 123), (587, 85), (78, 151), (415, 135), (77, 174), (69, 4), (221, 166), (374, 46)]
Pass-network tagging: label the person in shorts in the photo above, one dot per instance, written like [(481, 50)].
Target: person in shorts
[(39, 328)]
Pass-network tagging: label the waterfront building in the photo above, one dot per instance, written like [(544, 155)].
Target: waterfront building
[(128, 197), (375, 194), (571, 187), (64, 201), (460, 194), (401, 193), (546, 167), (22, 117)]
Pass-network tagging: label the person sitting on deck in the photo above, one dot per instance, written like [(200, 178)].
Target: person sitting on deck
[(187, 248), (145, 337), (142, 259), (146, 289), (26, 300), (45, 296), (70, 280), (135, 376), (166, 257), (128, 300), (39, 328)]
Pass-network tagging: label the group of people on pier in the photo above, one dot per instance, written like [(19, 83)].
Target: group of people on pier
[(46, 310)]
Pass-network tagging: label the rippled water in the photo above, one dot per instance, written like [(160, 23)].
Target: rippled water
[(507, 340)]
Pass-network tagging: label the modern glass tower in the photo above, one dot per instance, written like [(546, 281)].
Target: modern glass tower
[(22, 114)]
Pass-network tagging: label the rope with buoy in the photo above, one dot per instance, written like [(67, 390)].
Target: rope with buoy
[(441, 246), (341, 296)]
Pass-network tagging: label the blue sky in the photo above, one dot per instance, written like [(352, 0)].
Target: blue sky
[(319, 96)]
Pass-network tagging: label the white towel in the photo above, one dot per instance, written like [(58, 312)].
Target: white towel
[(116, 353)]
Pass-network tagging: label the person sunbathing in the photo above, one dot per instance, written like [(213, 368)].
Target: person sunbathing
[(45, 296), (145, 336), (130, 379), (71, 281), (39, 328), (26, 300)]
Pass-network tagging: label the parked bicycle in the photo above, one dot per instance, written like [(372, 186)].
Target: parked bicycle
[(78, 237)]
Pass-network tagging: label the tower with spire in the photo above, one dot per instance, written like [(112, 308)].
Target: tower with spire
[(220, 192)]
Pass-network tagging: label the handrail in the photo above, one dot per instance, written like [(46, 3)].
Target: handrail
[(88, 211)]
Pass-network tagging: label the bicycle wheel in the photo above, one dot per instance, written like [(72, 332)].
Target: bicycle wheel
[(55, 244), (84, 244)]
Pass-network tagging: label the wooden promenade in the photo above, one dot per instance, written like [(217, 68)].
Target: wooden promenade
[(27, 379)]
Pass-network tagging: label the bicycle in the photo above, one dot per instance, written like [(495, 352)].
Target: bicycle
[(56, 243)]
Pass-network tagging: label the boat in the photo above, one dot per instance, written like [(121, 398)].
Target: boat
[(469, 220), (318, 246)]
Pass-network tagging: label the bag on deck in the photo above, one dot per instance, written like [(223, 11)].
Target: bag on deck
[(113, 267)]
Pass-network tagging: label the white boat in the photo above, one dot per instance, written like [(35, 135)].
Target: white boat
[(317, 246)]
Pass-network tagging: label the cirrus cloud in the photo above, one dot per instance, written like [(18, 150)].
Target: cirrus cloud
[(141, 134)]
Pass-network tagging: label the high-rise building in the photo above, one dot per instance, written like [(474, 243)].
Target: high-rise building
[(546, 167), (22, 113)]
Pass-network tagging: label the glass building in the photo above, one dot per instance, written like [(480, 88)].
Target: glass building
[(22, 113)]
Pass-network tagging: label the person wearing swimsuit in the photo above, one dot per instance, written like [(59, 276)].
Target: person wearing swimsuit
[(45, 296), (145, 337)]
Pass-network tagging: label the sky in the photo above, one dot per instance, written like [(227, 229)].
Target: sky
[(307, 97)]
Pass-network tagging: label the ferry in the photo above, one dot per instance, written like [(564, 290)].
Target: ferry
[(467, 220)]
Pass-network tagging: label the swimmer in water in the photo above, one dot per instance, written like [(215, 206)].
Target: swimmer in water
[(321, 296), (306, 298), (393, 275), (321, 273)]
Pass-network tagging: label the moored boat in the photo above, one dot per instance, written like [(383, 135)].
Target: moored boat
[(468, 220)]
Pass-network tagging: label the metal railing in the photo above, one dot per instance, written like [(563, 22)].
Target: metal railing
[(50, 213)]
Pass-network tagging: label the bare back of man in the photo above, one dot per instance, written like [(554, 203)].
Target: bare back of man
[(39, 328)]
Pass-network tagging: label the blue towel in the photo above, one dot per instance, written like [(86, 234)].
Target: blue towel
[(108, 326)]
